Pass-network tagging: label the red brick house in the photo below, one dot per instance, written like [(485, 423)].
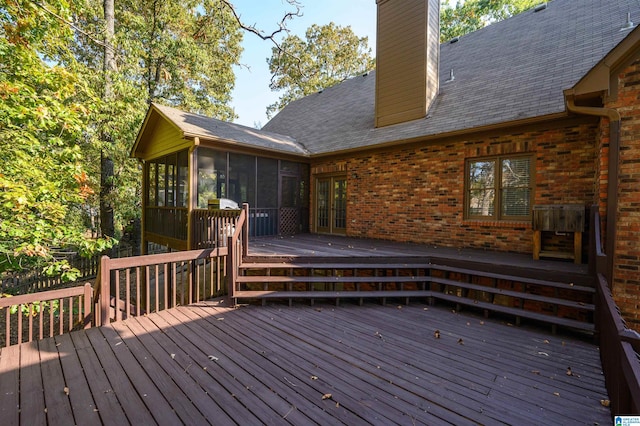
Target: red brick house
[(453, 144)]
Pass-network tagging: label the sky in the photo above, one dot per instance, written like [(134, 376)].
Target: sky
[(252, 95)]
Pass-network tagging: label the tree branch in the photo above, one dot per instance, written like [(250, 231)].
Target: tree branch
[(282, 28)]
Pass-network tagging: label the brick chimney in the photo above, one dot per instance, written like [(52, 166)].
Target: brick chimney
[(407, 54)]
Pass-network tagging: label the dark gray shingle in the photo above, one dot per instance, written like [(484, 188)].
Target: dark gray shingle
[(511, 70)]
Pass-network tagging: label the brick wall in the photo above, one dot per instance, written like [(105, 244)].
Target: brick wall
[(626, 283), (417, 194)]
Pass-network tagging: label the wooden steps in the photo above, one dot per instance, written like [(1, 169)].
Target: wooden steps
[(523, 295)]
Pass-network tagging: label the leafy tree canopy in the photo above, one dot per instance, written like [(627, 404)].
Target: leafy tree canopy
[(470, 15), (43, 186), (177, 52), (328, 55)]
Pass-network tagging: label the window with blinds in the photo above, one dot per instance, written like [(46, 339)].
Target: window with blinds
[(498, 188)]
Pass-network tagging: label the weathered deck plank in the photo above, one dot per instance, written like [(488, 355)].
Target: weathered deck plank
[(273, 364), (9, 385), (83, 406), (32, 406), (55, 388), (109, 409)]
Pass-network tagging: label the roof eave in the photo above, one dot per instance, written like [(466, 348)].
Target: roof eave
[(446, 135), (233, 143), (602, 78)]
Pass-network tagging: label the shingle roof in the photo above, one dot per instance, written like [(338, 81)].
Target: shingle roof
[(210, 128), (512, 70)]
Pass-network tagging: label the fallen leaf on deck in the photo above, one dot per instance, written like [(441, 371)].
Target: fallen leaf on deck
[(546, 342), (535, 371), (66, 390), (543, 353), (220, 319), (436, 334), (119, 343), (460, 342), (425, 309), (605, 402), (173, 356), (212, 358), (337, 405), (481, 322), (556, 393), (569, 372), (379, 335), (326, 396), (314, 377), (399, 306)]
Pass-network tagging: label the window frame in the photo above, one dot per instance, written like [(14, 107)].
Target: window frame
[(498, 188)]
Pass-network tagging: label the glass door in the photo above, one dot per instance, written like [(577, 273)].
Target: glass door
[(331, 205)]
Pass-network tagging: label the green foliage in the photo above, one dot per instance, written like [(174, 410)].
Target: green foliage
[(329, 55), (43, 120), (471, 15), (35, 308), (178, 53)]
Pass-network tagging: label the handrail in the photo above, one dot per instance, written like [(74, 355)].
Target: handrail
[(235, 254), (619, 346), (70, 305)]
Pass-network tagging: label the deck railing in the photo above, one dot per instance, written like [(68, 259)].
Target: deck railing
[(211, 228), (145, 284), (45, 314), (619, 346)]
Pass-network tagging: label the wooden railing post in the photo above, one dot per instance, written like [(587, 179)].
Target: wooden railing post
[(245, 230), (231, 268), (105, 287), (88, 301)]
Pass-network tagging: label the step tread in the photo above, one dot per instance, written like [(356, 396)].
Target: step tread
[(430, 266), (565, 322), (320, 279), (516, 294)]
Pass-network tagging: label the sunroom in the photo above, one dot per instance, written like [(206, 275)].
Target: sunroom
[(190, 161)]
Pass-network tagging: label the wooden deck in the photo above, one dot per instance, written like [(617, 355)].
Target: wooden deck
[(316, 245), (371, 364)]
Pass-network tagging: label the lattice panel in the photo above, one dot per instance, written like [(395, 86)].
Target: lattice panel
[(289, 221)]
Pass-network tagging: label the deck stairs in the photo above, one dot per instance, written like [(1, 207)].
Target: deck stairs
[(556, 298)]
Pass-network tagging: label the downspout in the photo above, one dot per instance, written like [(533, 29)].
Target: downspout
[(612, 178)]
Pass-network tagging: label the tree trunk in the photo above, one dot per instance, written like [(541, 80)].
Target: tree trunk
[(107, 226)]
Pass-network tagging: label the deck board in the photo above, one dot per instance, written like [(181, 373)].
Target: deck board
[(9, 385), (32, 406), (83, 406), (273, 364)]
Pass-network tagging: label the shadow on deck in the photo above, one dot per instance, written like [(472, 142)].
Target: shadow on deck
[(207, 364)]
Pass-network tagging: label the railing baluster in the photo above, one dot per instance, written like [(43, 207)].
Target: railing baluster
[(156, 286), (138, 290), (147, 284), (70, 313), (127, 293), (31, 308), (61, 315), (167, 284)]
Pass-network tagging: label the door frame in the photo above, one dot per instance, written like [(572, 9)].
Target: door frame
[(331, 219)]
